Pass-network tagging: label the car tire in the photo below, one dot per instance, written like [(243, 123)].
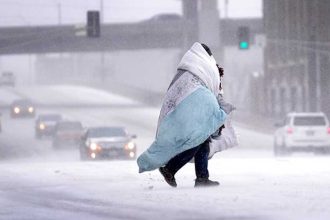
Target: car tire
[(323, 151), (327, 150)]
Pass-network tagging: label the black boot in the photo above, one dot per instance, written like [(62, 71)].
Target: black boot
[(204, 182), (169, 177)]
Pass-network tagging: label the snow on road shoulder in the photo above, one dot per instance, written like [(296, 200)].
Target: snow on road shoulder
[(248, 138), (72, 95), (7, 95)]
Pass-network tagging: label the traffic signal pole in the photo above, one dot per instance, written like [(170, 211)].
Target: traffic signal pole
[(318, 81), (102, 75)]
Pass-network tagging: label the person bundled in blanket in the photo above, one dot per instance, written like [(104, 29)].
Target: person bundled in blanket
[(189, 116)]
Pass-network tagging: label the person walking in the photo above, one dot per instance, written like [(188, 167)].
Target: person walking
[(190, 114), (201, 153)]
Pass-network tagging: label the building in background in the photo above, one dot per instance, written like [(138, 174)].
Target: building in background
[(296, 56)]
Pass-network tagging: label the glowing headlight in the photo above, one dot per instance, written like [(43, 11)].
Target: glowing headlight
[(130, 146), (131, 154), (17, 110), (31, 109), (42, 126), (93, 146)]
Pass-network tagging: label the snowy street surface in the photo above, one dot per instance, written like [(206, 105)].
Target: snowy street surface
[(39, 183)]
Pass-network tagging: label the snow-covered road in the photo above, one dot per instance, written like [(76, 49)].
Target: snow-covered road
[(39, 183), (295, 188)]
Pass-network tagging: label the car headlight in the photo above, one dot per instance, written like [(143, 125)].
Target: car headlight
[(42, 126), (17, 110), (31, 109), (132, 154), (130, 146), (94, 146)]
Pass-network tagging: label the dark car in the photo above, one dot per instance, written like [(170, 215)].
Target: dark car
[(67, 133), (107, 142), (22, 108), (45, 124)]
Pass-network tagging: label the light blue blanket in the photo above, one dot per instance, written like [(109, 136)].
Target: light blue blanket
[(192, 121)]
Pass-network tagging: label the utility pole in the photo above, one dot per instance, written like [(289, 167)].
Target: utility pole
[(190, 14), (102, 73), (101, 11), (318, 81), (226, 8), (59, 13)]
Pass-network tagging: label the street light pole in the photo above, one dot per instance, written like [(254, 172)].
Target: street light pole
[(226, 8), (101, 11), (318, 81), (59, 13), (102, 74)]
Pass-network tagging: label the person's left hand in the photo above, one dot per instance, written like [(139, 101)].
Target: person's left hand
[(221, 71)]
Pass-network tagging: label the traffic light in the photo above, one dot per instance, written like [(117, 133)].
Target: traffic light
[(93, 24), (243, 35)]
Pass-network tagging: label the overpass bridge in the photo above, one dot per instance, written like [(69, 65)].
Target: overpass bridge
[(200, 22), (130, 36), (125, 36)]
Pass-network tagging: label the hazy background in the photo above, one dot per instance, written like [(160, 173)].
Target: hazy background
[(45, 12), (120, 78)]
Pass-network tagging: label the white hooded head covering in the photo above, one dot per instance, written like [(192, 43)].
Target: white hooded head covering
[(197, 61)]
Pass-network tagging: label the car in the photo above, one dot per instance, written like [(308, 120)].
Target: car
[(45, 124), (107, 142), (306, 131), (22, 108), (67, 133), (7, 78)]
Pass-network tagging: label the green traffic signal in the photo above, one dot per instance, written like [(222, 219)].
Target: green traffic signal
[(243, 36), (243, 45)]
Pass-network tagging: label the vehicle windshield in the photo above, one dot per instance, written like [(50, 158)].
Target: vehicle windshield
[(70, 126), (22, 102), (309, 121), (106, 132), (7, 74)]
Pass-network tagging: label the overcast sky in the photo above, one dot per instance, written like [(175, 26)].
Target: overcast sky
[(45, 12)]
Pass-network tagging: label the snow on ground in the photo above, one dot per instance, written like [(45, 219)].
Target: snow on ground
[(72, 95), (55, 185), (250, 189), (7, 95), (247, 138)]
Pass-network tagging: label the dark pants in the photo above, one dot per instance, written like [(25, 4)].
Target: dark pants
[(200, 153)]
